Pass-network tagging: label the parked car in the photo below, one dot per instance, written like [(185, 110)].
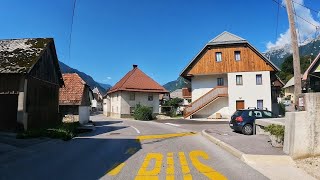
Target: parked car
[(243, 120)]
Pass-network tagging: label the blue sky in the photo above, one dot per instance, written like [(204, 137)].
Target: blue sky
[(161, 36)]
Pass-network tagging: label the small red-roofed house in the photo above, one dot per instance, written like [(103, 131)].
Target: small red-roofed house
[(75, 99), (134, 88)]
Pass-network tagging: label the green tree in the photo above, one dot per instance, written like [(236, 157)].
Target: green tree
[(286, 72)]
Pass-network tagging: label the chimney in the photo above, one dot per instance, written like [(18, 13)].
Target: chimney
[(135, 66)]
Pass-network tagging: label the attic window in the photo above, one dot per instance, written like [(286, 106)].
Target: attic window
[(132, 97), (218, 56), (237, 55), (150, 97)]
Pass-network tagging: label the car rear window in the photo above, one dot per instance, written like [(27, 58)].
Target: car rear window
[(238, 113)]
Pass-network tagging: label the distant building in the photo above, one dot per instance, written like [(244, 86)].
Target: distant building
[(289, 89), (312, 76), (97, 101), (75, 99), (30, 79), (134, 88), (226, 75)]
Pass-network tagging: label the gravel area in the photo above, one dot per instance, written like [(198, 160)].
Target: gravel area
[(310, 165)]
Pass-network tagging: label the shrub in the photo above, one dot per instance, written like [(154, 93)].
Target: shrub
[(65, 131), (276, 130), (143, 113)]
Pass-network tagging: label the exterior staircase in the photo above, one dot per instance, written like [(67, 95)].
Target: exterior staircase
[(205, 100)]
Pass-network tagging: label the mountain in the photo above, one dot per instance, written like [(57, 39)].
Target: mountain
[(278, 54), (88, 79), (177, 84), (105, 86)]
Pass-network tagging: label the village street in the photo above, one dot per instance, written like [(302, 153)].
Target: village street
[(126, 149)]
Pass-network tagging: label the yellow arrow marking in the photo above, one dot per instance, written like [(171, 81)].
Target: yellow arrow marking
[(162, 136), (116, 170)]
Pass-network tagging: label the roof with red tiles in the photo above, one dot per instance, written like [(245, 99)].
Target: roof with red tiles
[(72, 92), (137, 81)]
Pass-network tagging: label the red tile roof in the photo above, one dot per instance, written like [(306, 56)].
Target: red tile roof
[(137, 81), (73, 90)]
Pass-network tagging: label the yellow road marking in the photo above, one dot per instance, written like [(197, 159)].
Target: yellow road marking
[(204, 169), (184, 167), (162, 136), (170, 167), (116, 170), (152, 174)]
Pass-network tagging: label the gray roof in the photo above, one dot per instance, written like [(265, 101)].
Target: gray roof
[(289, 83), (176, 94), (226, 38), (19, 55)]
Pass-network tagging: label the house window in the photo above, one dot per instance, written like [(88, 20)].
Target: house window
[(220, 81), (150, 97), (259, 79), (237, 55), (132, 97), (260, 104), (218, 56), (239, 79), (117, 110), (117, 97)]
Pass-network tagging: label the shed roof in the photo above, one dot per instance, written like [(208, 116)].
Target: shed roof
[(289, 83), (19, 55), (176, 94), (314, 67), (137, 81), (73, 90)]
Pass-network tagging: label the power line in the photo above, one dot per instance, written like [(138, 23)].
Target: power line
[(296, 14), (70, 35)]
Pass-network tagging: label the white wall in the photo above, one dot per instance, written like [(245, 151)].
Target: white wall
[(140, 98), (115, 103), (106, 106), (202, 84), (84, 114), (249, 91), (218, 106)]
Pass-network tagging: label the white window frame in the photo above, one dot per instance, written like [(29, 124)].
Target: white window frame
[(258, 82), (237, 55), (218, 56), (241, 79)]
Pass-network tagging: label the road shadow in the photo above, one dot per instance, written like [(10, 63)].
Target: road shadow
[(80, 158)]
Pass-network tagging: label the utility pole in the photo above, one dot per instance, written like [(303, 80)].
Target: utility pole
[(296, 57)]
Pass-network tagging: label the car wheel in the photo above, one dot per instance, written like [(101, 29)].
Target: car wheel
[(247, 129)]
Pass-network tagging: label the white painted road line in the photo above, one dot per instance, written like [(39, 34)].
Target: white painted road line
[(172, 124), (136, 129)]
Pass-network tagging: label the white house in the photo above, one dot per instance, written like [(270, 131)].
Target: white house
[(96, 103), (134, 88), (226, 75)]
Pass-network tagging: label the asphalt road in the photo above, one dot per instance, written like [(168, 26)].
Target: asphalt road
[(126, 149)]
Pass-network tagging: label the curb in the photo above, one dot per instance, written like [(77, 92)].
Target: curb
[(223, 145)]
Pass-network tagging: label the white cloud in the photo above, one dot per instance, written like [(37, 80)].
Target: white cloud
[(305, 29), (107, 79)]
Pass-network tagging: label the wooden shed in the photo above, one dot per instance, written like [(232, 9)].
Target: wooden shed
[(30, 79), (75, 99)]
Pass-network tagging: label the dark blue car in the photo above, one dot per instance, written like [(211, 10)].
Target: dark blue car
[(242, 120)]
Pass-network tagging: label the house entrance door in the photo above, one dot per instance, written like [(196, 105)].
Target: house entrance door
[(240, 104)]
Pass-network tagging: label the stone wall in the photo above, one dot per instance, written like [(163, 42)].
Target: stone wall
[(302, 129)]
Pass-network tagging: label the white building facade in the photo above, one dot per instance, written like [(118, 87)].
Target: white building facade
[(228, 74)]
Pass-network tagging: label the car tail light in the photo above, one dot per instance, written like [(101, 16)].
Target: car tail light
[(239, 119)]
